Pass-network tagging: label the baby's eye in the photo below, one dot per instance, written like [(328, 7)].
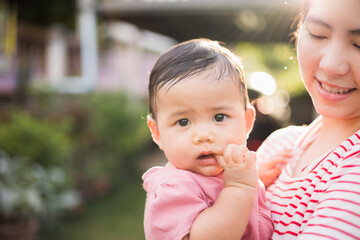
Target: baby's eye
[(183, 122), (219, 117)]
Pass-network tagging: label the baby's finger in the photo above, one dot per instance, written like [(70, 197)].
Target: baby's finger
[(228, 152), (221, 161), (250, 159), (239, 153)]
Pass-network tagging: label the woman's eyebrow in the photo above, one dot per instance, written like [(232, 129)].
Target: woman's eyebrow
[(355, 32), (318, 21), (315, 20)]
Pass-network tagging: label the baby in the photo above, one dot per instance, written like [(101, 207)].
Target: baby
[(200, 118)]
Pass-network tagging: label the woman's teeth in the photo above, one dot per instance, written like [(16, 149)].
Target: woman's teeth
[(335, 90)]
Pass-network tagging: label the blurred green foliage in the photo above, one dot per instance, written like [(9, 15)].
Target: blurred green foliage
[(68, 142), (35, 177), (118, 123), (38, 141), (112, 136)]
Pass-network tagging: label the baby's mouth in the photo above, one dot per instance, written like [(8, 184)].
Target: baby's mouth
[(205, 156), (333, 90)]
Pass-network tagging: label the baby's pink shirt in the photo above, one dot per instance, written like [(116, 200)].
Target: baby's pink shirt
[(176, 197)]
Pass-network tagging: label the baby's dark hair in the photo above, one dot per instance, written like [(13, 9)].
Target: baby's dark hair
[(191, 58)]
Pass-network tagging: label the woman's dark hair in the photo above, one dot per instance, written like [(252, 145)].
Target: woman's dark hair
[(191, 58)]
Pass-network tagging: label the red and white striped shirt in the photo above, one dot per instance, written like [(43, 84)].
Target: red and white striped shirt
[(323, 204)]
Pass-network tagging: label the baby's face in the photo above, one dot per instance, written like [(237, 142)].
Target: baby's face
[(197, 118)]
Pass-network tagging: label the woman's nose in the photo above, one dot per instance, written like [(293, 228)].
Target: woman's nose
[(334, 60)]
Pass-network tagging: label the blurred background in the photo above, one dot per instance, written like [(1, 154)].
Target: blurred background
[(73, 101)]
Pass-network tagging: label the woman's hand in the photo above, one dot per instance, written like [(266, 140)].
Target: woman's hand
[(270, 170)]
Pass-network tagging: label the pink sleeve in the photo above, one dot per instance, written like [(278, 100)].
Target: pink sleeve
[(266, 225), (171, 209), (260, 225)]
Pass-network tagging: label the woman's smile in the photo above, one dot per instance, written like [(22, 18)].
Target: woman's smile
[(335, 90), (332, 92)]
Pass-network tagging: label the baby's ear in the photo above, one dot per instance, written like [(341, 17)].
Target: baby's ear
[(249, 119), (154, 130)]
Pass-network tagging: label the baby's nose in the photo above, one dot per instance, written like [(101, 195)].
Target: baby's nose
[(203, 137)]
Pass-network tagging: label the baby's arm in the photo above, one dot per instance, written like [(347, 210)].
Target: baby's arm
[(228, 217)]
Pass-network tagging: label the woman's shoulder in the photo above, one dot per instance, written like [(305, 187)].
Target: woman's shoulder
[(281, 139), (290, 131), (350, 148)]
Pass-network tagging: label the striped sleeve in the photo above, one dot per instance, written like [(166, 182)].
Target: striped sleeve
[(337, 213), (277, 142)]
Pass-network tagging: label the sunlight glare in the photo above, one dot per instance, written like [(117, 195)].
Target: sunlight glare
[(263, 82)]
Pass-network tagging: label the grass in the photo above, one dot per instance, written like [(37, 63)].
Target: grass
[(118, 216)]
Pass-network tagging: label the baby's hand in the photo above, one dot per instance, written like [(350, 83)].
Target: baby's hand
[(239, 166), (270, 170)]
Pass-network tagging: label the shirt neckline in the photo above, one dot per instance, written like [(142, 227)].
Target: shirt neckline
[(302, 143)]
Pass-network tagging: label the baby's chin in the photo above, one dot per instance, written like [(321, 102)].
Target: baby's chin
[(210, 171)]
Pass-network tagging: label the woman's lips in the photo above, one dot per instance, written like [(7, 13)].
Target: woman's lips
[(333, 93), (335, 90)]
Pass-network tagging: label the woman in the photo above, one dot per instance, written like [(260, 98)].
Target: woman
[(317, 194)]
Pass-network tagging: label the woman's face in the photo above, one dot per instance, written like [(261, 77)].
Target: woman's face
[(329, 57)]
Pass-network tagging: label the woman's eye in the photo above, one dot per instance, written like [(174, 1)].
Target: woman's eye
[(183, 122), (317, 31), (317, 36), (219, 117), (357, 45)]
